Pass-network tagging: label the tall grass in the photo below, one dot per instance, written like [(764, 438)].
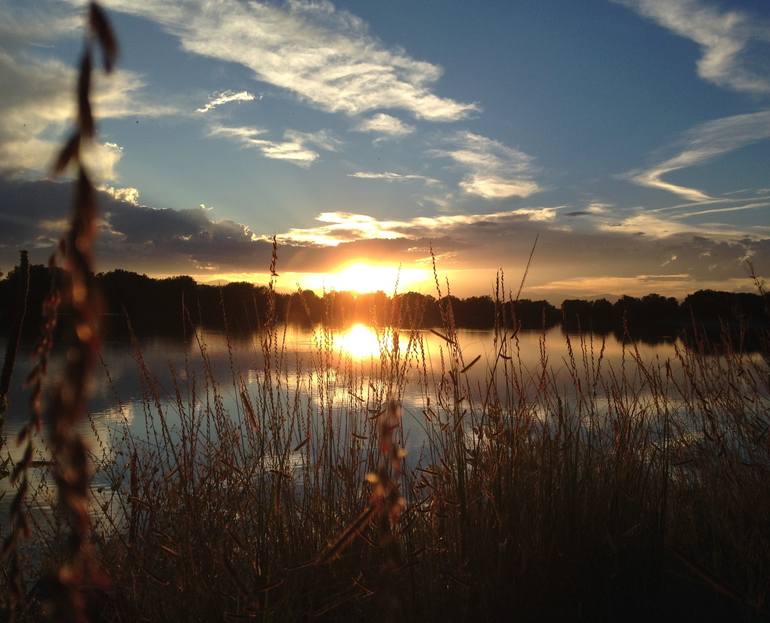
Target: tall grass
[(579, 490)]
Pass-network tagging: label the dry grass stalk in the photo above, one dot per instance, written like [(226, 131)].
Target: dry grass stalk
[(69, 402)]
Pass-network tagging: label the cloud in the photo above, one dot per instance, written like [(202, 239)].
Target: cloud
[(137, 237), (323, 139), (226, 97), (385, 124), (637, 285), (739, 208), (37, 23), (598, 207), (101, 159), (326, 56), (126, 195), (655, 226), (194, 241), (594, 208), (38, 106), (702, 144), (390, 176), (294, 148), (340, 227), (726, 39), (495, 171), (493, 187)]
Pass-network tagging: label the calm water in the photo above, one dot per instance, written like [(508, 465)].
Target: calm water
[(321, 371)]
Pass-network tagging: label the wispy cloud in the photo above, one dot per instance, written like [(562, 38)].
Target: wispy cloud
[(26, 22), (294, 148), (494, 187), (594, 208), (675, 284), (598, 207), (725, 198), (739, 208), (390, 176), (725, 38), (323, 139), (701, 144), (226, 97), (385, 124), (326, 56), (495, 171), (656, 226)]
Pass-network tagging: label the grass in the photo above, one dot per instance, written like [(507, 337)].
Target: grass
[(575, 492)]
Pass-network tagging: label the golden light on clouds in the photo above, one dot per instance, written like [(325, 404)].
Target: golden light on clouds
[(363, 277)]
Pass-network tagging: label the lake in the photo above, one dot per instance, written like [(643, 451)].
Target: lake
[(339, 375)]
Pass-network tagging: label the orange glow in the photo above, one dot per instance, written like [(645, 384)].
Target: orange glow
[(363, 278), (359, 341), (363, 342), (360, 277)]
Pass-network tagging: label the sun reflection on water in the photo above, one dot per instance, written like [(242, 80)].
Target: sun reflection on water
[(361, 341)]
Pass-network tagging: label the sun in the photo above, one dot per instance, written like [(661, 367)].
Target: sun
[(364, 278)]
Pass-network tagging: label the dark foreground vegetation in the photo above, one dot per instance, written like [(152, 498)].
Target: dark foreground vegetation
[(242, 308), (577, 491)]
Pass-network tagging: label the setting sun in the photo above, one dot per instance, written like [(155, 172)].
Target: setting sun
[(362, 277)]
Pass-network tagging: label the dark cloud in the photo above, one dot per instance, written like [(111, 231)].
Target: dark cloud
[(33, 215)]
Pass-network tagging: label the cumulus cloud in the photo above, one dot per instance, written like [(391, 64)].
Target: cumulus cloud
[(702, 144), (294, 148), (226, 97), (101, 159), (727, 39), (495, 171), (385, 124), (326, 56), (126, 194)]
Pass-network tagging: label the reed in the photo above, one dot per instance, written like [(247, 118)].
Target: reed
[(583, 489)]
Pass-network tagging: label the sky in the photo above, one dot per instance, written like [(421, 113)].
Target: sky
[(630, 138)]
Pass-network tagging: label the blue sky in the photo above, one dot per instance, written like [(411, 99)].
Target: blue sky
[(631, 136)]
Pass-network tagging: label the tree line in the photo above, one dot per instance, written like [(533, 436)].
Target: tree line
[(174, 305)]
